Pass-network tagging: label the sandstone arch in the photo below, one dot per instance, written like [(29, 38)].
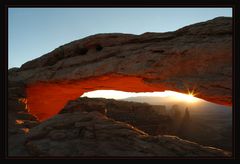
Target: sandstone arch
[(197, 57)]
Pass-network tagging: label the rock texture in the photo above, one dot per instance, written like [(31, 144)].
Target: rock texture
[(197, 57), (214, 130), (140, 115), (19, 119), (85, 127), (93, 134)]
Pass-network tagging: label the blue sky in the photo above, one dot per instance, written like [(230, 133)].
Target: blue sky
[(34, 32)]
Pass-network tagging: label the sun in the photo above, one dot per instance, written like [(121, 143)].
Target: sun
[(189, 97)]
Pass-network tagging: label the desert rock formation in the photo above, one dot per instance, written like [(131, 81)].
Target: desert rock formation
[(196, 58), (93, 134)]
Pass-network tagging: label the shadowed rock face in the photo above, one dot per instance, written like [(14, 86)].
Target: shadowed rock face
[(140, 115), (197, 57), (214, 130), (93, 134)]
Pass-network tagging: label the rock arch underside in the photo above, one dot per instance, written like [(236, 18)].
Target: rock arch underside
[(197, 57)]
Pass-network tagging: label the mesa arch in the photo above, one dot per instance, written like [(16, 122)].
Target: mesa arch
[(197, 57), (54, 96)]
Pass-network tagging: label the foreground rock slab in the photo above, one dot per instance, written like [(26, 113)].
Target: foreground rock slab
[(93, 134)]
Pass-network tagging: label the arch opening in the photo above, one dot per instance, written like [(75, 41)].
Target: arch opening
[(167, 98), (171, 95)]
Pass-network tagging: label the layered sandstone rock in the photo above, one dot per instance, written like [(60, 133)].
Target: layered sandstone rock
[(197, 57), (93, 134), (19, 119), (203, 128), (140, 115)]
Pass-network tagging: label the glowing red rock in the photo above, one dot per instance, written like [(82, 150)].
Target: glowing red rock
[(47, 99)]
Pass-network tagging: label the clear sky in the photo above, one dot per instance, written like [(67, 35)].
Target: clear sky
[(34, 32)]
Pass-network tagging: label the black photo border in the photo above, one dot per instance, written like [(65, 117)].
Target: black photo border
[(234, 4)]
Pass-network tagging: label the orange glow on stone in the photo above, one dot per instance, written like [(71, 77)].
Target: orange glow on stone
[(47, 99), (24, 101), (19, 122), (25, 130)]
